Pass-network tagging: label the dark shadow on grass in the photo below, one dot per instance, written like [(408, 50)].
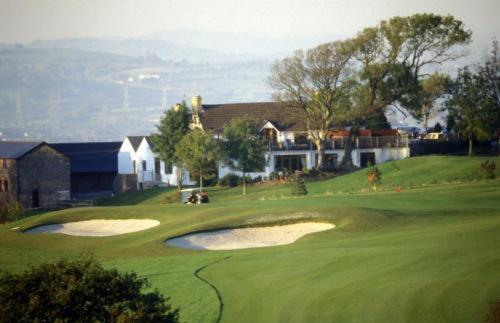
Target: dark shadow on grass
[(219, 296)]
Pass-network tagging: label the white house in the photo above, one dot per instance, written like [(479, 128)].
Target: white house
[(289, 144), (137, 157)]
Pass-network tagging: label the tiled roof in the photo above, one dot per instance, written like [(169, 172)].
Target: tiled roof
[(16, 149), (284, 117), (91, 157)]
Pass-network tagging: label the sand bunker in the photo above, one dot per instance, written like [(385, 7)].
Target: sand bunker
[(230, 239), (96, 228)]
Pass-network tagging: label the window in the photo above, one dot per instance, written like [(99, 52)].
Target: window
[(168, 168), (5, 163), (4, 185), (157, 166), (144, 165), (134, 167)]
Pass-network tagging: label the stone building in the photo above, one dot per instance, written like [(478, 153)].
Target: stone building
[(33, 174)]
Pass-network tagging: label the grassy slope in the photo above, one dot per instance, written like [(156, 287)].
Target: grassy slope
[(427, 254), (157, 195)]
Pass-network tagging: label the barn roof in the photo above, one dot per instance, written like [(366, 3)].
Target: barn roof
[(91, 157), (17, 149), (282, 116)]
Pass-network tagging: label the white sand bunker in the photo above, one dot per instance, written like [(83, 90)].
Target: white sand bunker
[(96, 228), (230, 239)]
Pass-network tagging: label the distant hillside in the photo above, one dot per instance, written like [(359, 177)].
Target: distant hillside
[(136, 47), (89, 88), (62, 94)]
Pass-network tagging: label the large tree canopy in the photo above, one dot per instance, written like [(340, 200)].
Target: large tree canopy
[(199, 151), (173, 126), (472, 107), (428, 92), (392, 56), (357, 79), (318, 82), (244, 148)]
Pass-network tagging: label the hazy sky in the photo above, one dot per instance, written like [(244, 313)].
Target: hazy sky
[(26, 20)]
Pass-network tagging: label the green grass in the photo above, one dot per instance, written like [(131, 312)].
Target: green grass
[(427, 254), (156, 195)]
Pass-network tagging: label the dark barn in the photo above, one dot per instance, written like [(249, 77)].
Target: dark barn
[(94, 166)]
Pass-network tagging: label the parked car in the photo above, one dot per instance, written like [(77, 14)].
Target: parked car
[(411, 132), (439, 136)]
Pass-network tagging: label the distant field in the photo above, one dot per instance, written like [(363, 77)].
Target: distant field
[(430, 253)]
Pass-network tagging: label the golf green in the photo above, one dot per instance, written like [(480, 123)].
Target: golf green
[(430, 252)]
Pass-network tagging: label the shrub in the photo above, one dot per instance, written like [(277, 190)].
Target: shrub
[(374, 177), (248, 180), (230, 180), (80, 291), (298, 186), (494, 313), (10, 210), (488, 169), (313, 172), (174, 197), (273, 175)]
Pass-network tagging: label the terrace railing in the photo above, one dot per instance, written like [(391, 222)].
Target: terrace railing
[(339, 143), (145, 176)]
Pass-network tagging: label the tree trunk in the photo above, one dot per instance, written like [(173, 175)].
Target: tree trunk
[(426, 120), (320, 149), (201, 182), (179, 178), (347, 159), (470, 147), (244, 184)]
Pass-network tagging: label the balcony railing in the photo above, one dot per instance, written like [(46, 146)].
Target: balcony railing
[(148, 176), (145, 176), (340, 142)]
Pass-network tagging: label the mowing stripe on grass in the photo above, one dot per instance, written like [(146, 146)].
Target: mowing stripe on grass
[(219, 296)]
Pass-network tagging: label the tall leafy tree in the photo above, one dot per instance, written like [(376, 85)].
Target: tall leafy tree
[(431, 89), (393, 55), (471, 107), (173, 126), (490, 72), (316, 81), (244, 148), (199, 151)]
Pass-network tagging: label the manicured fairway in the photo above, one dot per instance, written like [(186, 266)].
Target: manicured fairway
[(428, 254)]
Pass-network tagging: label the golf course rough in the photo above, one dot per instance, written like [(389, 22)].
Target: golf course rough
[(96, 228), (243, 238)]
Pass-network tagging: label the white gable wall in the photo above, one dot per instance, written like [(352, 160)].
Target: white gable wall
[(144, 153), (126, 156)]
